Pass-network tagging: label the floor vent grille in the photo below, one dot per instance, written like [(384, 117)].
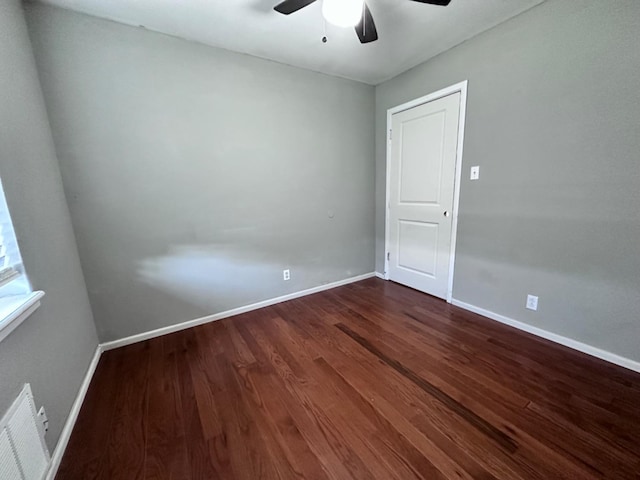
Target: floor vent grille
[(23, 452)]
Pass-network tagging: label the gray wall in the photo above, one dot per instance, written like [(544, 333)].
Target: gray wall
[(194, 175), (553, 116), (53, 347)]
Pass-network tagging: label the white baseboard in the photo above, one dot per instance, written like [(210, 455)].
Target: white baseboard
[(380, 275), (554, 337), (229, 313), (63, 441)]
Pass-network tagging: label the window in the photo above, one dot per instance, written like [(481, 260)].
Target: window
[(17, 299)]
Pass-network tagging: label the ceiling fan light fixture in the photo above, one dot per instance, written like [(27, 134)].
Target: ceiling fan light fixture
[(342, 13)]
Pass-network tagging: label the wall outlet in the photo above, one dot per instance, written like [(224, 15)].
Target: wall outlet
[(475, 172), (532, 302), (286, 274)]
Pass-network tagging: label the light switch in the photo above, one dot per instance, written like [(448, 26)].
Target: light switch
[(475, 173)]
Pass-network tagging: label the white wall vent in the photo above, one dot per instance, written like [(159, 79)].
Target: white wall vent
[(23, 452)]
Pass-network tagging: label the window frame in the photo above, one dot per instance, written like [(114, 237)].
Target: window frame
[(16, 309), (18, 300)]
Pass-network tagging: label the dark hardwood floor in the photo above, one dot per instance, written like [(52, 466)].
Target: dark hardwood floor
[(369, 380)]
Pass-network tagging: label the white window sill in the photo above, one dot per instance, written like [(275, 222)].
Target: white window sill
[(16, 309)]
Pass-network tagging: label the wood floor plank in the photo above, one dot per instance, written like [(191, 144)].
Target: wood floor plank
[(510, 411), (319, 405), (396, 392), (371, 380), (93, 428), (285, 431), (166, 446), (249, 451), (205, 384), (498, 436), (419, 465), (446, 433), (126, 450), (201, 461)]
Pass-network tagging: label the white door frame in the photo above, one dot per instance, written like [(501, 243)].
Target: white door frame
[(458, 87)]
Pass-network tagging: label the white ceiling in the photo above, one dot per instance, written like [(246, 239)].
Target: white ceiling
[(409, 32)]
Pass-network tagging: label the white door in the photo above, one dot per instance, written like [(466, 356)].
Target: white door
[(424, 143)]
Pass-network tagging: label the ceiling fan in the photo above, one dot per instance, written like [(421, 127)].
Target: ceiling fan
[(346, 13)]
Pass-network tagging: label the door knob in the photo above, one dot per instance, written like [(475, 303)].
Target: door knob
[(446, 213)]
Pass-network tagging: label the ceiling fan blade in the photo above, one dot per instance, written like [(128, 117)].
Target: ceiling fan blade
[(366, 29), (443, 3), (289, 6)]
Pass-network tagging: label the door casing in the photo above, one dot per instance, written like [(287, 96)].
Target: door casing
[(458, 87)]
